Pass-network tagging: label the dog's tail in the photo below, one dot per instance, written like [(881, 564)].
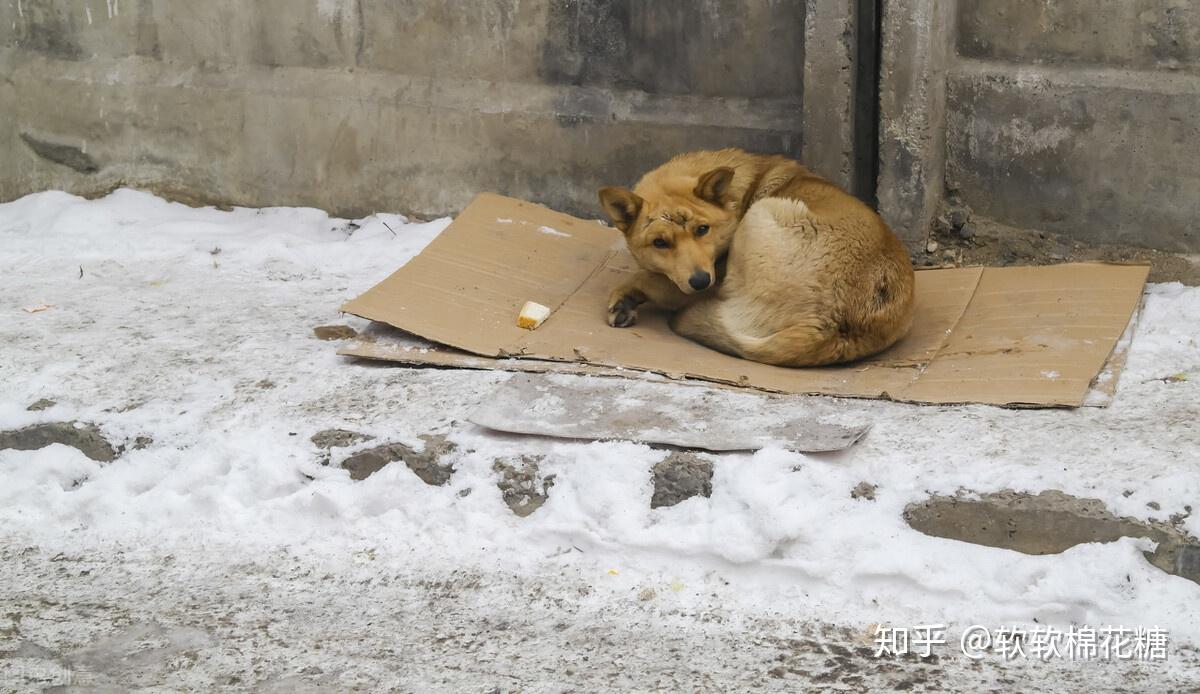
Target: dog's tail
[(798, 345), (806, 343)]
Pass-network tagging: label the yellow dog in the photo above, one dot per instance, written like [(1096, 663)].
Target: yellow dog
[(762, 259)]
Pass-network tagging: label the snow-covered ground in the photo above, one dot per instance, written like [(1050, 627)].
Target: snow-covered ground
[(224, 555)]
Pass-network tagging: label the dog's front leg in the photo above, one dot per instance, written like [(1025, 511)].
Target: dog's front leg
[(643, 287)]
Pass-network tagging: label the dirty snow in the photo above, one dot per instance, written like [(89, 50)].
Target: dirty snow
[(225, 554)]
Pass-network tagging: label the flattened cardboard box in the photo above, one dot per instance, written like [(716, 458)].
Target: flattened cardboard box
[(1021, 336)]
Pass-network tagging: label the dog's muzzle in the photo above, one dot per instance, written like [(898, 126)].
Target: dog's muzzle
[(700, 280)]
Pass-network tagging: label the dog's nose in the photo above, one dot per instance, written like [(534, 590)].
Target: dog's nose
[(700, 280)]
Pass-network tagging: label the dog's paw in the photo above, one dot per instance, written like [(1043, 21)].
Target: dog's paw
[(623, 313), (622, 319)]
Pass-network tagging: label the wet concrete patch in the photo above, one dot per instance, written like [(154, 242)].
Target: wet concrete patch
[(338, 438), (426, 463), (864, 490), (1049, 523), (70, 156), (84, 437), (521, 483), (328, 439), (679, 476)]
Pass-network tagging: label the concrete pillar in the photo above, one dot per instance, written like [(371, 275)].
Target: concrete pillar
[(829, 68), (915, 52)]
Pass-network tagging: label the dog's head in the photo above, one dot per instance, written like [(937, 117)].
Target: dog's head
[(678, 227)]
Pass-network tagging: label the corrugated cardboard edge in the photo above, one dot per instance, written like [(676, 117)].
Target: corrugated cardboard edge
[(384, 343), (1104, 386)]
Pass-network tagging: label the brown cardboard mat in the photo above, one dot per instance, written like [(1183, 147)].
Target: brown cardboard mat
[(1019, 336)]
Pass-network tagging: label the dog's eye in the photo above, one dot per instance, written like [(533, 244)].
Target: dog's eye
[(702, 230), (661, 243)]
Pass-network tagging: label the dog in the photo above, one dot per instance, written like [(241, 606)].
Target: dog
[(760, 258)]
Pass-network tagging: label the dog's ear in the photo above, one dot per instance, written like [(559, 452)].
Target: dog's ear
[(622, 206), (714, 185)]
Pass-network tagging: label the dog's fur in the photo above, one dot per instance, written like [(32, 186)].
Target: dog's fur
[(800, 273)]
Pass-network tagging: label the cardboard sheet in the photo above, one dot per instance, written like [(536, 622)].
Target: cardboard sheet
[(1020, 336), (632, 410)]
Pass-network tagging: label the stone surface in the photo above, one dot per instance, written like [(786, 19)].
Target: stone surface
[(681, 475), (87, 438), (958, 215), (43, 404), (1048, 523), (521, 483)]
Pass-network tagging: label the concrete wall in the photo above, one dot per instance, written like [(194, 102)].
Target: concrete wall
[(1072, 116), (358, 105)]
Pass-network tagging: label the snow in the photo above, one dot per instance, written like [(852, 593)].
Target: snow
[(194, 327)]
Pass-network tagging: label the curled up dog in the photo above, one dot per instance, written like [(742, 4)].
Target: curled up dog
[(762, 259)]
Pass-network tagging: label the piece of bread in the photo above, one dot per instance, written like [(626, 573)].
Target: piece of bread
[(532, 315)]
